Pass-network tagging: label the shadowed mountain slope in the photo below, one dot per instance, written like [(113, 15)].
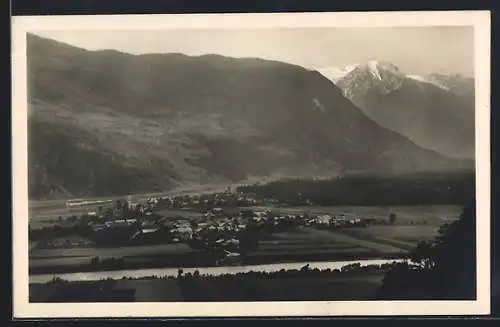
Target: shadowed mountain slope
[(105, 122)]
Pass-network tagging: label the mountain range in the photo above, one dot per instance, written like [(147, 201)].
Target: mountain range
[(110, 123), (436, 111)]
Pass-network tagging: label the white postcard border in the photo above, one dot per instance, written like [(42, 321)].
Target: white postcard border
[(21, 25)]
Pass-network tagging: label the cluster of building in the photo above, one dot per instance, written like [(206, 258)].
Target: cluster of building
[(217, 228), (216, 225), (226, 198), (335, 221)]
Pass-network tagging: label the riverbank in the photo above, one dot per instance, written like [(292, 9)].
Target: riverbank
[(193, 259), (209, 271), (315, 281)]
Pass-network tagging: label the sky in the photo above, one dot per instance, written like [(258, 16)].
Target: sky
[(415, 50)]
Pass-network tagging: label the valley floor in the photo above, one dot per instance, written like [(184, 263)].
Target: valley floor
[(300, 244)]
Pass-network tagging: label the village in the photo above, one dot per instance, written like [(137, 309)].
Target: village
[(226, 224)]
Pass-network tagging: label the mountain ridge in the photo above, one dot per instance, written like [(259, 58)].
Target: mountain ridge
[(435, 111), (152, 122)]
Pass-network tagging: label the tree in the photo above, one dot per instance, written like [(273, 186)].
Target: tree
[(392, 218), (108, 213), (94, 261), (125, 208), (442, 269), (138, 208), (84, 219)]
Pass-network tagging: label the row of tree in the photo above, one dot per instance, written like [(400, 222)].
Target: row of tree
[(444, 268), (451, 188)]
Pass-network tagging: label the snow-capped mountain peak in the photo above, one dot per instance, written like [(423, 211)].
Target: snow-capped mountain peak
[(374, 75), (384, 77), (373, 67), (334, 73)]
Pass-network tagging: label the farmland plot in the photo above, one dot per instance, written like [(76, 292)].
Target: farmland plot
[(308, 240), (409, 235), (177, 248)]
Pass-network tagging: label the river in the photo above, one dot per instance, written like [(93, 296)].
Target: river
[(213, 271)]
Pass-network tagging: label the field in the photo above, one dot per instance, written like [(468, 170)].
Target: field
[(307, 240), (77, 256), (46, 215), (335, 288), (43, 212), (176, 248), (402, 236)]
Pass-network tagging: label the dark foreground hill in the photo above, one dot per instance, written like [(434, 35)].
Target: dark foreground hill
[(105, 122)]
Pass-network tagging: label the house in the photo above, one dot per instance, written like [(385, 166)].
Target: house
[(217, 211), (148, 223), (339, 220), (152, 201), (181, 223), (149, 230), (120, 223), (261, 214), (182, 233), (323, 220), (354, 220), (231, 244)]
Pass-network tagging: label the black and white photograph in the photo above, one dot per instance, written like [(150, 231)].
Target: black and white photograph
[(251, 164)]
